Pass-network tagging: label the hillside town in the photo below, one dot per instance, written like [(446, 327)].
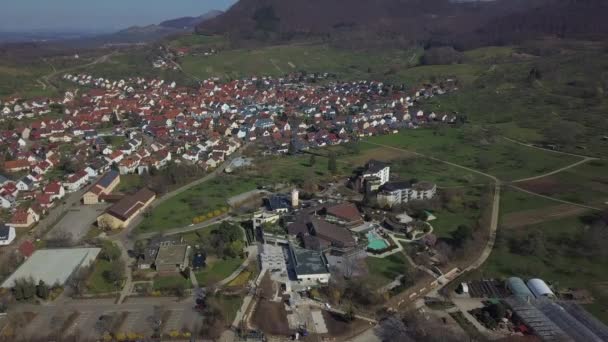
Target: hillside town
[(57, 146)]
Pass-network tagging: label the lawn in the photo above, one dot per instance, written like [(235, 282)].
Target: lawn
[(471, 147), (585, 184), (282, 59), (467, 211), (129, 183), (229, 305), (384, 270), (512, 201), (217, 270), (206, 197), (555, 263), (96, 283), (168, 282)]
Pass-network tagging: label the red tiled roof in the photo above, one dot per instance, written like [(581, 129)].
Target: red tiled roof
[(27, 248), (19, 217), (345, 211), (52, 188)]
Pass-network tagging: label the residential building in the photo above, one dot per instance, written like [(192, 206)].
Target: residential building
[(104, 186), (403, 192), (7, 235)]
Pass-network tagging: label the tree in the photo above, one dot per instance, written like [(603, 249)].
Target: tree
[(110, 251), (42, 290), (115, 274), (349, 315), (462, 234), (497, 311), (312, 161), (332, 163)]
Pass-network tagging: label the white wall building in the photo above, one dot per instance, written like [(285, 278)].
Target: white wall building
[(403, 192)]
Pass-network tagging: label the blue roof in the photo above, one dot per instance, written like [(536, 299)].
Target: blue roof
[(108, 178)]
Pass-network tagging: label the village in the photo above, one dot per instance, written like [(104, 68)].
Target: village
[(68, 162)]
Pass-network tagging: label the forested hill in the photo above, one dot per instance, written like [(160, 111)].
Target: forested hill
[(462, 24)]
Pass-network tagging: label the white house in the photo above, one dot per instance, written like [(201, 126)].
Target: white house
[(7, 235), (76, 181)]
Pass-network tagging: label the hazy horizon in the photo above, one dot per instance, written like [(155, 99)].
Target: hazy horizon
[(97, 16)]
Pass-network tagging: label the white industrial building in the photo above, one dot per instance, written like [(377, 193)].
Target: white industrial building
[(53, 266), (539, 288)]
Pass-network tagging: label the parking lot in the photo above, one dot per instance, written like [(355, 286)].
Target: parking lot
[(77, 222)]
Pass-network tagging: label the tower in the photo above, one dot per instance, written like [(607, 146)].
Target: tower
[(295, 198)]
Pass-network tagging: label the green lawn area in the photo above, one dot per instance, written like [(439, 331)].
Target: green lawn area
[(501, 158), (512, 201), (217, 270), (199, 200), (229, 305), (314, 57), (586, 184), (166, 282), (384, 270), (129, 183), (467, 211), (556, 263), (96, 283)]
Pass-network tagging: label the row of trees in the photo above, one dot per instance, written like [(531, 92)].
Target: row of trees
[(27, 289)]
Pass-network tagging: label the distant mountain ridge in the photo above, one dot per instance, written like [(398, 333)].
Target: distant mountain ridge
[(453, 22), (150, 33), (190, 22)]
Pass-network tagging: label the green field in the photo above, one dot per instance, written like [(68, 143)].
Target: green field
[(206, 197), (217, 270), (169, 282), (472, 147), (512, 201), (553, 259), (585, 184), (282, 59), (384, 270), (96, 283), (229, 305), (466, 208), (130, 183)]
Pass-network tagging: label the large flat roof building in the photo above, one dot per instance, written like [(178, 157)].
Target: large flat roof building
[(53, 265), (310, 267)]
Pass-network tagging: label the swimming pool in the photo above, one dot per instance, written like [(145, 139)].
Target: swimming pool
[(375, 242)]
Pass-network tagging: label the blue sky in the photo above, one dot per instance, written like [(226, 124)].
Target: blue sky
[(94, 15)]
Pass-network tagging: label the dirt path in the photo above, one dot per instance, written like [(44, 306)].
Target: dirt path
[(553, 198), (546, 149), (534, 216), (495, 205), (45, 80), (580, 162)]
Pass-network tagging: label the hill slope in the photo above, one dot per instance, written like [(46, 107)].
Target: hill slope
[(190, 22), (468, 23)]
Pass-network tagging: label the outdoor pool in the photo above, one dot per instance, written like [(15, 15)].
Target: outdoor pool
[(375, 242)]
